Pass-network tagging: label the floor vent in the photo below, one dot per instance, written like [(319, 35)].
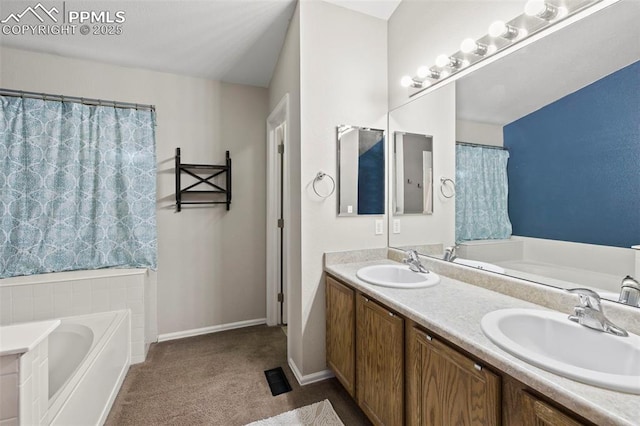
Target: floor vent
[(277, 381)]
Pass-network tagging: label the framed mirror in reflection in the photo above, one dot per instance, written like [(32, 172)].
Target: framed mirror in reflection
[(413, 166), (361, 171), (566, 110)]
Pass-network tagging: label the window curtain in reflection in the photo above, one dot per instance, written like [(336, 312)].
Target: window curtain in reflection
[(77, 187), (481, 193)]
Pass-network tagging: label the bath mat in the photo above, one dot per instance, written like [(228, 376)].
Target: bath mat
[(278, 382), (318, 414)]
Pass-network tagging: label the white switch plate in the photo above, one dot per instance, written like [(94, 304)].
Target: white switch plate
[(349, 209), (379, 229), (396, 226)]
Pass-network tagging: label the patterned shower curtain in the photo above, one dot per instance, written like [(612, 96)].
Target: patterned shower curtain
[(77, 187), (481, 193)]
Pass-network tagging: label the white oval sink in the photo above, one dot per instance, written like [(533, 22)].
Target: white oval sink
[(480, 265), (551, 341), (398, 276)]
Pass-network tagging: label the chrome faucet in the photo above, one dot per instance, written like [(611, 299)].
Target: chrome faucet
[(589, 313), (450, 254), (630, 291), (414, 263)]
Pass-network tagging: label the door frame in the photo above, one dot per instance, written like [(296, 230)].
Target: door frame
[(278, 116)]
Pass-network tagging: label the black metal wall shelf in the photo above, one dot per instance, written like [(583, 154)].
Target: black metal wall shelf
[(203, 173)]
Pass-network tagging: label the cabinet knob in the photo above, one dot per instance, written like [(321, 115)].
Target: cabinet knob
[(390, 314), (477, 367)]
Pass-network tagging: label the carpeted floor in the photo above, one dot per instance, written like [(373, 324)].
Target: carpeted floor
[(218, 379)]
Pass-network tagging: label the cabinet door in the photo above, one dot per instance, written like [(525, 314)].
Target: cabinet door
[(538, 413), (379, 349), (447, 387), (341, 329)]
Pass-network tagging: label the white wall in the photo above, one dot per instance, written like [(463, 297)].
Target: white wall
[(432, 115), (343, 80), (286, 80), (481, 133), (210, 262), (420, 30)]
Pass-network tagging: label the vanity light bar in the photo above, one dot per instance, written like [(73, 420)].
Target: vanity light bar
[(538, 15)]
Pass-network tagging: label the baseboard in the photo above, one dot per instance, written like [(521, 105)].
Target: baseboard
[(309, 378), (211, 329)]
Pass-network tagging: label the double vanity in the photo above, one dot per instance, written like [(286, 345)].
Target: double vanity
[(454, 346)]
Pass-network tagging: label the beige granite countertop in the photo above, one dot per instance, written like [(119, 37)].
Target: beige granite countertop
[(453, 309)]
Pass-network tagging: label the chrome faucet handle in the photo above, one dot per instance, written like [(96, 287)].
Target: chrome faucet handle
[(414, 263), (413, 254), (589, 313), (450, 253), (588, 298)]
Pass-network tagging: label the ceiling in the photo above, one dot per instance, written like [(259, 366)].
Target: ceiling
[(552, 67), (236, 41)]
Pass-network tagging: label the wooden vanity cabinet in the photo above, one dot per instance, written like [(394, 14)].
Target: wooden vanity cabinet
[(445, 387), (522, 407), (379, 362), (400, 373), (341, 333)]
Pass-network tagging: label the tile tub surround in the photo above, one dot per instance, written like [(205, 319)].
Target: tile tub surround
[(453, 309), (65, 294)]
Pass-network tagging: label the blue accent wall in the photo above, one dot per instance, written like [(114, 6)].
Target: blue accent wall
[(574, 167), (371, 180)]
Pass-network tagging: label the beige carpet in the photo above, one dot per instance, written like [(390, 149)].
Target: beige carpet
[(318, 414), (218, 379)]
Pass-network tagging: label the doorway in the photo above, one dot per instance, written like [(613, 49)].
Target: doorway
[(277, 232)]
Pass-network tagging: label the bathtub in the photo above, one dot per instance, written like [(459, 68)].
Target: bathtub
[(89, 356)]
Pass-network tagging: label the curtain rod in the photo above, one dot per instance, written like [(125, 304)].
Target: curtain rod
[(75, 99), (482, 145)]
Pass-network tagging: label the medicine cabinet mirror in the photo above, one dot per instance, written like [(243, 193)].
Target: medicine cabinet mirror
[(413, 173), (361, 171)]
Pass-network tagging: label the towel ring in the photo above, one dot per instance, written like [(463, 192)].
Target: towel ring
[(319, 177), (443, 183)]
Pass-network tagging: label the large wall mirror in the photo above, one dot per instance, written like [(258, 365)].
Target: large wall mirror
[(361, 171), (413, 173), (562, 114)]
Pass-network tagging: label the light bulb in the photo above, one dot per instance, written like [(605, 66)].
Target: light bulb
[(406, 81), (468, 45), (442, 61), (423, 72), (543, 10), (535, 7), (500, 29), (497, 29)]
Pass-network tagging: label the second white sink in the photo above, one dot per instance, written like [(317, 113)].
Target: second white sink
[(551, 341), (397, 276)]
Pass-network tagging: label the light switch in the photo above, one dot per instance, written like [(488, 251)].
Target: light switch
[(379, 229), (396, 226), (349, 209)]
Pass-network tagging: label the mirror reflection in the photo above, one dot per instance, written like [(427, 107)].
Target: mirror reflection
[(361, 171), (566, 119), (413, 165)]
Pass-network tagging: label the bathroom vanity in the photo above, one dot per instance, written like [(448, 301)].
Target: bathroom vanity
[(419, 356)]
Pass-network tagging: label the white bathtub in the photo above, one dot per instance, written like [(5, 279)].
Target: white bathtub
[(89, 357)]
